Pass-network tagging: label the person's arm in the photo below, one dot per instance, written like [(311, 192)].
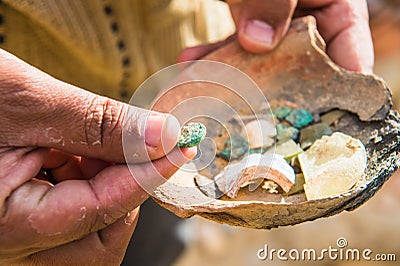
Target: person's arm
[(88, 217)]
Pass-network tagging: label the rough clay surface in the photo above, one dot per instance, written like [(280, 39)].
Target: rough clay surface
[(299, 71)]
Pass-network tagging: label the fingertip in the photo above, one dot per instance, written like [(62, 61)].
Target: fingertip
[(189, 153), (351, 54)]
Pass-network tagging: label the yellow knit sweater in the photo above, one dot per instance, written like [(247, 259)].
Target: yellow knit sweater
[(106, 46)]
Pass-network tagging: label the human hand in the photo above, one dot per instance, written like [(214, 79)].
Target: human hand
[(89, 215), (261, 25)]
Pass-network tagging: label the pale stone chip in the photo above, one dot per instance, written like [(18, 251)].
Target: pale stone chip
[(260, 133), (332, 165), (288, 149), (270, 186)]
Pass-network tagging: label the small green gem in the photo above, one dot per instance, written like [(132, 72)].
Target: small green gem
[(191, 135), (281, 112), (234, 148), (299, 118), (225, 154)]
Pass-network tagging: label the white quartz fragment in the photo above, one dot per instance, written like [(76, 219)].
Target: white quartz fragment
[(332, 165)]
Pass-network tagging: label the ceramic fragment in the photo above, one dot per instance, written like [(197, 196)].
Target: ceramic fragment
[(309, 135), (260, 133), (313, 82), (207, 186), (191, 135), (252, 167), (332, 165), (299, 118)]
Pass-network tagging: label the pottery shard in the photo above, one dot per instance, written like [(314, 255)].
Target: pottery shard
[(255, 167), (300, 72), (332, 165)]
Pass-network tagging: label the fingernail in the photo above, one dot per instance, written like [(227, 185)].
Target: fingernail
[(131, 216), (259, 31), (189, 153), (161, 130)]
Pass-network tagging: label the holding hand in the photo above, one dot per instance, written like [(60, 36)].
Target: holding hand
[(89, 215)]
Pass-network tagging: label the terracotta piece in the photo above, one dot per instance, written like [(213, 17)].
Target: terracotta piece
[(298, 72)]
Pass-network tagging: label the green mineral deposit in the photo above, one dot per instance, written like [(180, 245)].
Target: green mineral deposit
[(284, 133), (191, 135), (310, 134), (299, 118), (234, 148), (281, 112)]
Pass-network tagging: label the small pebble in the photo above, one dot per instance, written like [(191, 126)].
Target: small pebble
[(299, 118), (288, 150), (257, 150), (310, 134), (333, 116), (234, 148), (285, 133), (191, 135)]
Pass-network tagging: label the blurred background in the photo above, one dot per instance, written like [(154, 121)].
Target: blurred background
[(163, 239)]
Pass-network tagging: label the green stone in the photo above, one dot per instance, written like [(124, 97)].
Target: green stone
[(281, 112), (299, 118), (284, 133), (191, 135), (234, 148), (257, 150), (310, 134)]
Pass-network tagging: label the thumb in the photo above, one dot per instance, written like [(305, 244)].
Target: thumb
[(261, 25), (40, 110)]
